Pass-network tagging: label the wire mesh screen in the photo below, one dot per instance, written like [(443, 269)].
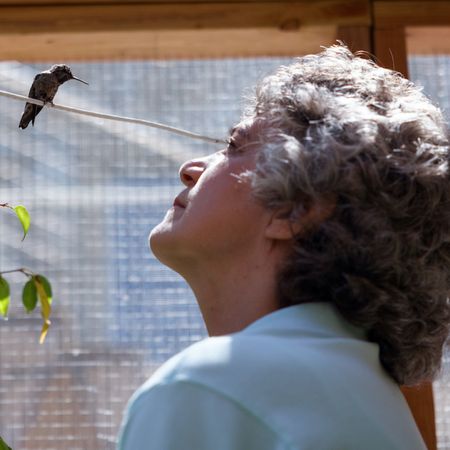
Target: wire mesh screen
[(433, 74), (94, 189)]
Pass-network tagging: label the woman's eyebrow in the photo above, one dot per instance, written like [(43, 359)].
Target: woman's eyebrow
[(242, 132)]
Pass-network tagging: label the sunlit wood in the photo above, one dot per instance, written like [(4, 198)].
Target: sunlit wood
[(165, 44), (428, 40), (171, 16), (411, 13)]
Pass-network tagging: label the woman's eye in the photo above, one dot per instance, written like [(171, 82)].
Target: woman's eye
[(232, 147)]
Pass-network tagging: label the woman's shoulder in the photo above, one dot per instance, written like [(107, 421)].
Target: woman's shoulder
[(305, 342), (324, 377), (198, 360)]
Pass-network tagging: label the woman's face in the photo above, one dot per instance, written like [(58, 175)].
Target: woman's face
[(215, 218)]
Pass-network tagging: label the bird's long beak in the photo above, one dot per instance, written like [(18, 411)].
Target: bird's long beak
[(79, 79)]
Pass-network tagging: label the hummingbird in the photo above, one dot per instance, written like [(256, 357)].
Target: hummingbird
[(44, 87)]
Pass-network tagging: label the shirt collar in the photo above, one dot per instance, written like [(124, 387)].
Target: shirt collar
[(320, 319)]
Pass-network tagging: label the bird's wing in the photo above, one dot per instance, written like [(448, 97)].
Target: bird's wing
[(32, 93), (35, 109)]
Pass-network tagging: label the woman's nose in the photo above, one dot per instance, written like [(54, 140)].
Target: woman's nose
[(191, 171)]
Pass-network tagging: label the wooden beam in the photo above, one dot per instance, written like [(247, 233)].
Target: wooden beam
[(133, 2), (164, 44), (389, 14), (421, 403), (390, 48), (177, 16), (356, 37)]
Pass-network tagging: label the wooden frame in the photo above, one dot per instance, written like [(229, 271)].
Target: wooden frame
[(393, 19), (86, 29), (164, 44), (95, 29), (178, 16), (173, 29)]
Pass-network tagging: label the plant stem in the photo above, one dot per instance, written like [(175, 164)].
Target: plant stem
[(24, 270)]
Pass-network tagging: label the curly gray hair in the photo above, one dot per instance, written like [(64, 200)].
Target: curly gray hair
[(343, 128)]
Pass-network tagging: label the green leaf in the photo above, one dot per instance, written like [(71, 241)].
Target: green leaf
[(24, 218), (47, 287), (3, 445), (29, 296), (4, 297), (44, 291)]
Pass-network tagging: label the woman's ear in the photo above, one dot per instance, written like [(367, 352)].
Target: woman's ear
[(284, 224), (281, 225)]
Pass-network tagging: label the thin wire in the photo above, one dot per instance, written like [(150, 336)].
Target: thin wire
[(85, 112)]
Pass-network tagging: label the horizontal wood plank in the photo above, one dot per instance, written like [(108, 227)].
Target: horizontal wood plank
[(171, 16), (411, 13), (164, 44), (134, 2), (428, 40)]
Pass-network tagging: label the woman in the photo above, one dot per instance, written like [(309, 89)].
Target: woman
[(318, 247)]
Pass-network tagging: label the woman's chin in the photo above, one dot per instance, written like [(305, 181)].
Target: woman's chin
[(159, 237), (163, 242)]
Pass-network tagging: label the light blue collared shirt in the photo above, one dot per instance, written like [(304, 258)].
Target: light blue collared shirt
[(299, 378)]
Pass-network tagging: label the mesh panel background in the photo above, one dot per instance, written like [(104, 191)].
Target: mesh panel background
[(94, 189), (433, 74)]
